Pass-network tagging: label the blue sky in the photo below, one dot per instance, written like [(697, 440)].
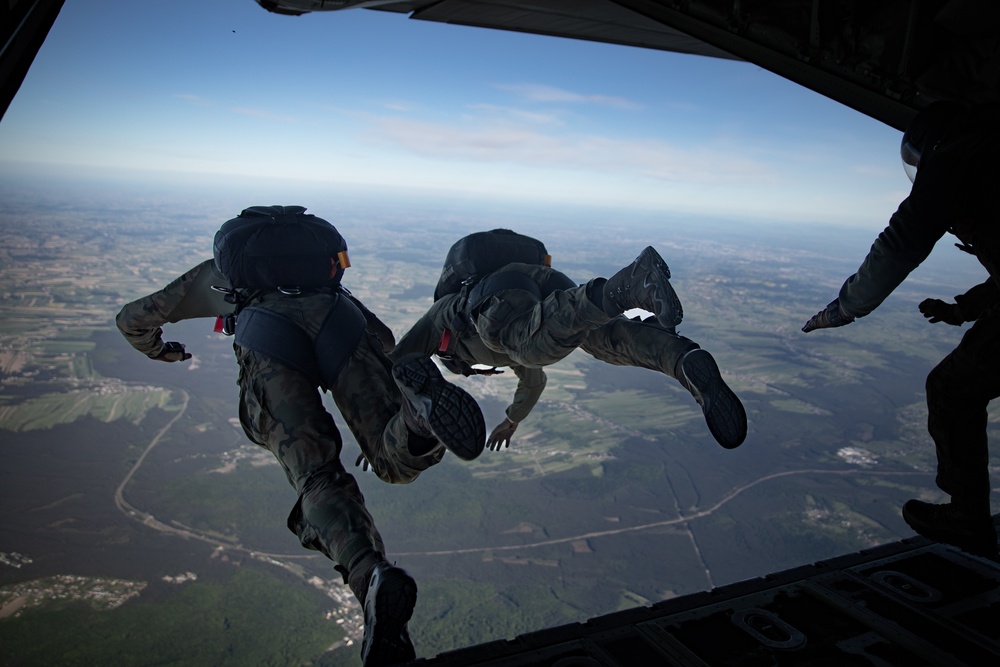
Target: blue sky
[(187, 90)]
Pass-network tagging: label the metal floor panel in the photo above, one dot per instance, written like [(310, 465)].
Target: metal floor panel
[(912, 602)]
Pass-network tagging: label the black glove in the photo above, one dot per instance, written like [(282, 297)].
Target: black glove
[(501, 435), (831, 316), (171, 352), (941, 311)]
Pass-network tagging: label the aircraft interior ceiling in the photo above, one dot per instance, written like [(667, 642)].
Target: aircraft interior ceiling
[(884, 58)]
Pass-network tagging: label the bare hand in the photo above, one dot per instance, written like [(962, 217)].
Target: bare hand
[(501, 435)]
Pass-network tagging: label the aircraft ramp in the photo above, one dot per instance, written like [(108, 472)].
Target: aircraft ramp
[(912, 602)]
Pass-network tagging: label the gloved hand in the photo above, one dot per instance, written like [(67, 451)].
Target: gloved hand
[(941, 311), (172, 351), (501, 435), (831, 316)]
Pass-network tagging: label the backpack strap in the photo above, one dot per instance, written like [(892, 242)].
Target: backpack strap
[(457, 366)]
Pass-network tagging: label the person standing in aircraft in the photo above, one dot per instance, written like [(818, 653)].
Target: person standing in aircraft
[(289, 342), (529, 316), (950, 153)]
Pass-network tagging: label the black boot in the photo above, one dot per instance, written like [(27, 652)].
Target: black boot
[(951, 524), (645, 284), (724, 413), (388, 606), (434, 407)]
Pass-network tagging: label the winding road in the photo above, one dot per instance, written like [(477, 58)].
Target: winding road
[(655, 524), (148, 520)]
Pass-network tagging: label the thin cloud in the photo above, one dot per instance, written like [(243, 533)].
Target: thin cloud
[(518, 115), (399, 106), (531, 148), (193, 99), (264, 115), (542, 93)]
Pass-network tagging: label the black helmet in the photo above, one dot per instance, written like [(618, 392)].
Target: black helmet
[(924, 133)]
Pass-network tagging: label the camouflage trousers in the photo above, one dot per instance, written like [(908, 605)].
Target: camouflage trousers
[(625, 342), (282, 410), (536, 333), (539, 332), (959, 389)]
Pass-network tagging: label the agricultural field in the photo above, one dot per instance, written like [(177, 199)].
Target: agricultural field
[(612, 493)]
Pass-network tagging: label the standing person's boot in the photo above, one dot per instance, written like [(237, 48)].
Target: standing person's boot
[(953, 523), (724, 413), (645, 284), (388, 606), (434, 407)]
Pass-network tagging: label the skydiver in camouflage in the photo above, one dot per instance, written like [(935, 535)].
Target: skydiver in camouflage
[(528, 316), (403, 415)]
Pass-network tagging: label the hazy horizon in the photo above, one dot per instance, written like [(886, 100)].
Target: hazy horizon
[(228, 91)]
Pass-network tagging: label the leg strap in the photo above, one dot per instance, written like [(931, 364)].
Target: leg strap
[(280, 338), (275, 336)]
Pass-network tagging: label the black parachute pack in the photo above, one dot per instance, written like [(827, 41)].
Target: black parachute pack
[(280, 248), (275, 247), (477, 255)]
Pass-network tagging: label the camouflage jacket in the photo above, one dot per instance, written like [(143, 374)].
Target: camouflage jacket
[(189, 296), (425, 337)]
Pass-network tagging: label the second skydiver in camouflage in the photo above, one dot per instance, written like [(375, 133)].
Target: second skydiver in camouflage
[(528, 329)]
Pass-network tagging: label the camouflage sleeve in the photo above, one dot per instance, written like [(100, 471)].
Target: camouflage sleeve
[(425, 335), (530, 385), (189, 296)]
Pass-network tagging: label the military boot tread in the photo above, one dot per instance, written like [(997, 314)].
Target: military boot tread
[(451, 414), (724, 413)]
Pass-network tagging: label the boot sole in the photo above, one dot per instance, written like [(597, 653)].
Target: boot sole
[(386, 615), (455, 417), (724, 413)]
